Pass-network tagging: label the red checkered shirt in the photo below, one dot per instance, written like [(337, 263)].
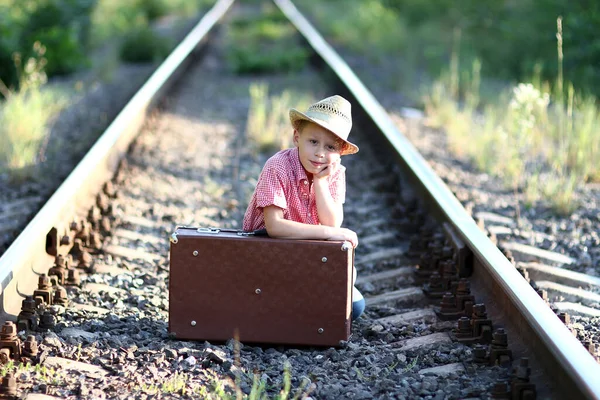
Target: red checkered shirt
[(283, 183)]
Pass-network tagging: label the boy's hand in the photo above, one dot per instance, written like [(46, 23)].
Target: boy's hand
[(344, 234), (328, 170)]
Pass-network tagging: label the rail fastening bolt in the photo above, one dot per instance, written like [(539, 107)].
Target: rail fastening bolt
[(480, 354), (9, 385), (479, 311), (30, 347), (60, 296), (44, 282), (9, 331), (73, 277), (500, 338), (48, 321), (464, 287), (565, 318), (448, 302)]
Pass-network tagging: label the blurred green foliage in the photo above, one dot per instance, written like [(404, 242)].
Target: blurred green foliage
[(143, 45), (153, 9), (114, 18), (70, 29), (264, 43), (359, 26), (8, 44), (510, 37), (62, 26)]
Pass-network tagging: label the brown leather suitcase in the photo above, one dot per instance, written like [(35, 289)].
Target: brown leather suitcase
[(225, 284)]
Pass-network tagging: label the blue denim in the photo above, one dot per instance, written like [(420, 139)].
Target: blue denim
[(358, 304)]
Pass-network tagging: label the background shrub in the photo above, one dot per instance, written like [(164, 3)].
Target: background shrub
[(268, 43), (63, 27), (153, 9), (509, 37), (144, 45), (9, 43)]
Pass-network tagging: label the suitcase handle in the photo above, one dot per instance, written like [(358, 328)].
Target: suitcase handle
[(258, 232), (210, 230)]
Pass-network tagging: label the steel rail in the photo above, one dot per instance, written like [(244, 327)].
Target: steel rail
[(26, 258), (572, 369)]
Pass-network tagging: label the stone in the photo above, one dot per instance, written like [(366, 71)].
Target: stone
[(52, 340), (78, 333)]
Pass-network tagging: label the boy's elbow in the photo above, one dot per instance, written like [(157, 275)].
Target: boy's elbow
[(273, 221), (274, 228), (270, 227)]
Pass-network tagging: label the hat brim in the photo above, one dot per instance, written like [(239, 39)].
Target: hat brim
[(297, 116)]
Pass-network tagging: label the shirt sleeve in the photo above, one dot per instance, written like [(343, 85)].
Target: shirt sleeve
[(337, 185), (270, 188)]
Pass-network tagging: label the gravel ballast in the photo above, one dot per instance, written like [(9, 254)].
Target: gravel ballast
[(191, 166)]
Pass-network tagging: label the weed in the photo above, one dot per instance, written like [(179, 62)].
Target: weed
[(362, 376), (176, 384), (143, 45), (7, 368), (267, 43), (115, 17), (375, 376), (545, 143), (376, 30), (231, 388), (25, 117), (24, 120), (268, 127), (78, 354), (412, 364), (560, 188), (45, 374)]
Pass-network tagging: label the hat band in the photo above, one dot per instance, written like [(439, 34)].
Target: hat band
[(328, 109), (333, 121)]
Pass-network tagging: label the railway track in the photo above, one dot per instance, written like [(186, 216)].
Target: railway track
[(189, 166)]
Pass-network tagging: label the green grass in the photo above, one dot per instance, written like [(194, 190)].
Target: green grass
[(24, 120), (144, 46), (27, 111), (211, 386), (112, 18), (369, 28), (176, 384), (541, 139), (264, 43), (268, 126), (48, 375), (25, 116)]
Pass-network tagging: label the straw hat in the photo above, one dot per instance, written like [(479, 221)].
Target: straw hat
[(333, 114)]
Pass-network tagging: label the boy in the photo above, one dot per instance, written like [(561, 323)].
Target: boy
[(301, 190)]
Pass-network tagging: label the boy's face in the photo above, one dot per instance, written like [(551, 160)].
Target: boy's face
[(318, 148)]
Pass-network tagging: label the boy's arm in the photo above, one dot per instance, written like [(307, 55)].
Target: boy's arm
[(279, 227), (330, 212)]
